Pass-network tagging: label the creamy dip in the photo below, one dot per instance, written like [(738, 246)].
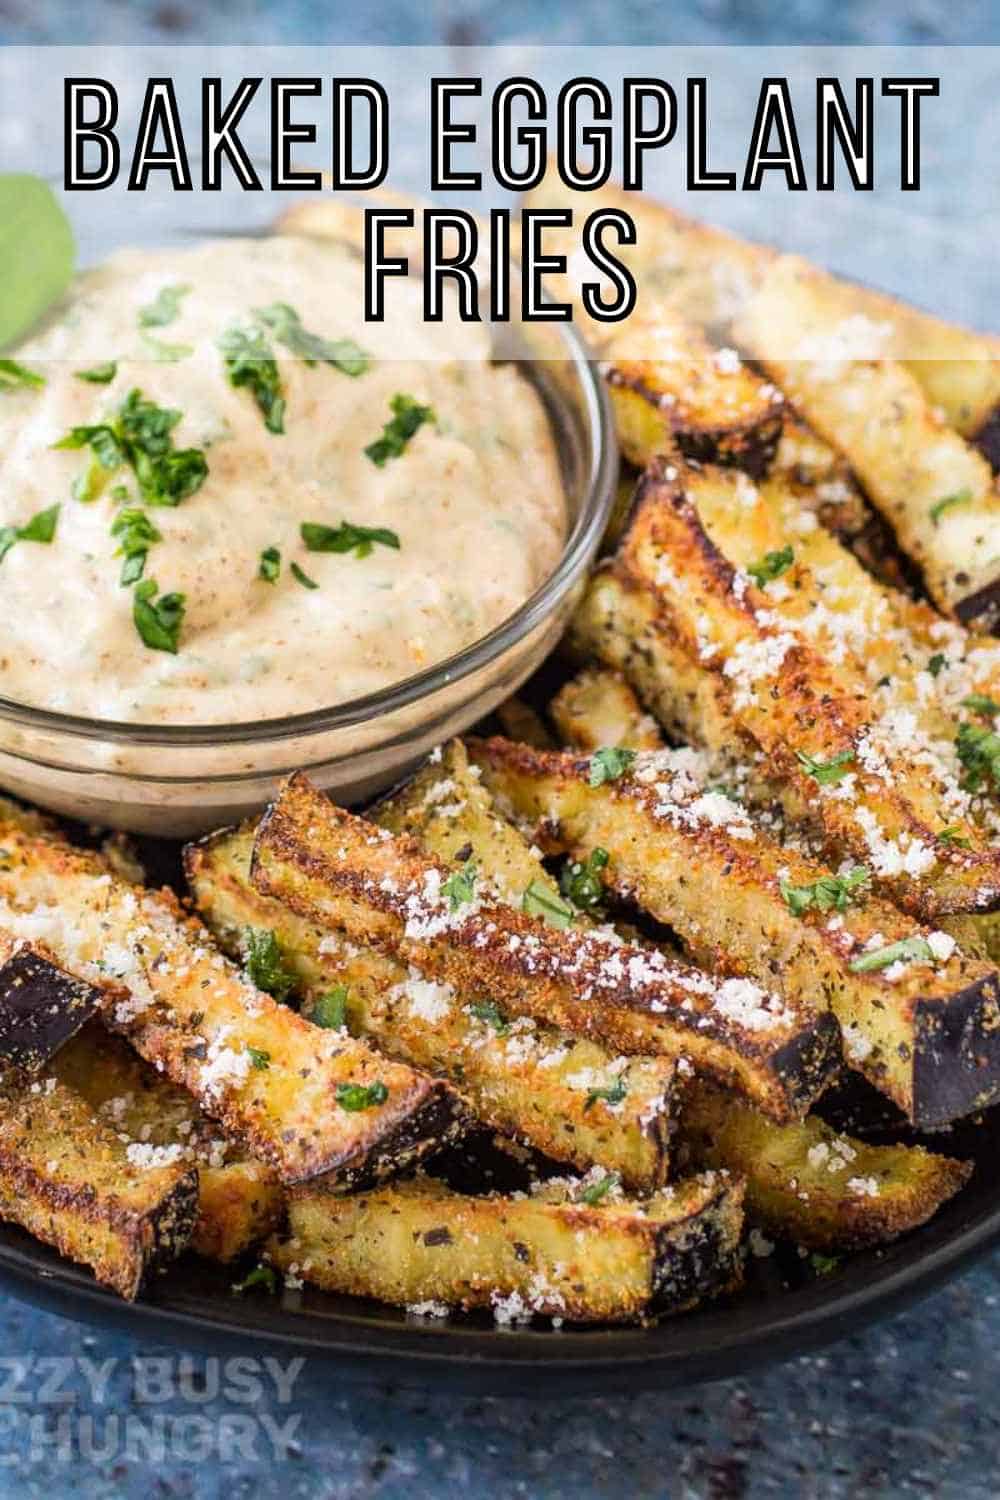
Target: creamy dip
[(472, 496)]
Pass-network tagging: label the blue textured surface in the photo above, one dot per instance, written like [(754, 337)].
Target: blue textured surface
[(906, 1409)]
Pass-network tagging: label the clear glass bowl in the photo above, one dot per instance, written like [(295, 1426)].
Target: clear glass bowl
[(181, 780)]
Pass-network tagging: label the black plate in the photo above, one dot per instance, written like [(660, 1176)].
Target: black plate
[(784, 1309)]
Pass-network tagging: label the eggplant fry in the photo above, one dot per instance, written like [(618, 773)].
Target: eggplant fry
[(67, 1179), (812, 1184), (574, 1251), (272, 1080), (598, 708), (338, 871)]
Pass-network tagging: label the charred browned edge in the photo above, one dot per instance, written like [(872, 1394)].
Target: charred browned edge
[(440, 1120), (956, 1057), (787, 1074), (748, 443), (707, 1263), (151, 1236), (981, 611), (987, 438)]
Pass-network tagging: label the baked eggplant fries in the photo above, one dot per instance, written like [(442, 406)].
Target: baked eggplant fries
[(546, 1032)]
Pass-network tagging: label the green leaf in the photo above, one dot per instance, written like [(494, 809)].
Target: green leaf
[(286, 326), (901, 952), (978, 749), (953, 836), (582, 883), (538, 901), (41, 528), (460, 887), (264, 964), (355, 1096), (164, 353), (488, 1011), (266, 1277), (37, 253), (13, 376), (99, 374), (164, 308), (613, 1095), (600, 1190), (826, 773), (159, 622), (937, 510), (300, 577), (260, 1059), (771, 566), (823, 1264), (828, 893), (981, 704), (250, 363), (609, 764), (346, 538), (937, 662), (408, 416), (269, 566), (330, 1010)]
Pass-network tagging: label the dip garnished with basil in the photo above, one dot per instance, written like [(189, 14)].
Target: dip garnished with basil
[(264, 505)]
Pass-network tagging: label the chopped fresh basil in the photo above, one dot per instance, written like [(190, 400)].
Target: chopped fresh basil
[(250, 363), (829, 772), (164, 308), (408, 416), (136, 534), (581, 883), (978, 749), (141, 435), (828, 893), (41, 528), (269, 566), (264, 964), (823, 1264), (538, 901), (330, 1010), (158, 621), (284, 323), (981, 704), (460, 887), (37, 252), (356, 1096), (937, 510), (771, 566), (346, 537), (265, 1277), (99, 374), (901, 952), (301, 577), (260, 1059), (615, 1094), (954, 837), (599, 1190), (13, 376), (488, 1011), (937, 663), (610, 763)]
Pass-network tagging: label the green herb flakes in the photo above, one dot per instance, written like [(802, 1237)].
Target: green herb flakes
[(771, 566), (164, 308), (285, 325), (356, 1096), (408, 416), (250, 365), (18, 377), (610, 763), (978, 749), (41, 528), (902, 952), (581, 883), (301, 577), (539, 901), (492, 1015), (460, 887), (617, 1093), (330, 1010), (264, 964), (264, 1277), (99, 374), (826, 773), (937, 510), (347, 537), (158, 621), (269, 565), (599, 1190), (828, 893), (136, 534)]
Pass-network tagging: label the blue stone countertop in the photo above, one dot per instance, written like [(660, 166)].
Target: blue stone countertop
[(905, 1408)]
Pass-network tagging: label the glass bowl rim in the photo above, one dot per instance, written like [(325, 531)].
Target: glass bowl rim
[(582, 541)]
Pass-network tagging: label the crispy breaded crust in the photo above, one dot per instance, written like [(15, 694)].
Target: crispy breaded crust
[(336, 870), (718, 884), (791, 699), (513, 1079), (875, 412), (188, 1011), (66, 1179), (420, 1242), (597, 707), (671, 387), (813, 1184)]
